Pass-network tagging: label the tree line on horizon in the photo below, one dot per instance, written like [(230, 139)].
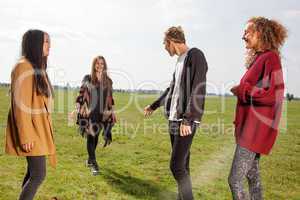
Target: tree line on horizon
[(288, 96)]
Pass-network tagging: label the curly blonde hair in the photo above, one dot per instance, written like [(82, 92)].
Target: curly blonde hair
[(272, 36)]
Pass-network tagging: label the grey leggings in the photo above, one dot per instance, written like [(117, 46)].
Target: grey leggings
[(245, 165), (36, 172)]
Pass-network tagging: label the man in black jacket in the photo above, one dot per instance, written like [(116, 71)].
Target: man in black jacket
[(184, 105)]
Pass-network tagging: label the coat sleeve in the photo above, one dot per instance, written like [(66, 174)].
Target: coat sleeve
[(195, 106), (82, 90), (22, 86), (161, 100), (269, 88), (79, 98), (111, 97)]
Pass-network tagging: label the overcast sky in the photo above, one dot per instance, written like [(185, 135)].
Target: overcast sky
[(129, 34)]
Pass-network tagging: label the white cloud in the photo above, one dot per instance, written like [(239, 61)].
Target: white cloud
[(291, 14), (176, 10)]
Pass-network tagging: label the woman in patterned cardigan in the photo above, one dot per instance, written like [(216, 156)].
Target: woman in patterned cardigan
[(95, 109)]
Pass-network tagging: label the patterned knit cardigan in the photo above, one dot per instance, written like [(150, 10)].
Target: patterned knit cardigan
[(84, 100)]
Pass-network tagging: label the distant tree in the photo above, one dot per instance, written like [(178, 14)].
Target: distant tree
[(289, 96)]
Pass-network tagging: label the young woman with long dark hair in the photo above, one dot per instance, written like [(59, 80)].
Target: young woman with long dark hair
[(29, 129)]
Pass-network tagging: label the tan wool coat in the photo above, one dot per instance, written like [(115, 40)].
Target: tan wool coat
[(29, 118)]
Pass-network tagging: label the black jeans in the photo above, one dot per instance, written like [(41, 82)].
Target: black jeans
[(36, 173), (180, 159), (92, 141)]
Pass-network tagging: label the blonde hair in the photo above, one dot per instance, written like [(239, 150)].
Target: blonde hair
[(175, 34)]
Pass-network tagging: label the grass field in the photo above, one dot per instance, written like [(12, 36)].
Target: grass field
[(136, 165)]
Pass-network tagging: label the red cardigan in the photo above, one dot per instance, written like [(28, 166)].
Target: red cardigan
[(260, 95)]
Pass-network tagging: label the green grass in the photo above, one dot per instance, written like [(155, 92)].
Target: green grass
[(136, 165)]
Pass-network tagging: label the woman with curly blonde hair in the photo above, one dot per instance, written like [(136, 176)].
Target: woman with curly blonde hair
[(259, 100)]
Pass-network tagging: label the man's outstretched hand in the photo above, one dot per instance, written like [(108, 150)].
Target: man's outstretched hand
[(148, 111)]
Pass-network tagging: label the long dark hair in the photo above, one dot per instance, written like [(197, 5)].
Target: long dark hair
[(32, 50)]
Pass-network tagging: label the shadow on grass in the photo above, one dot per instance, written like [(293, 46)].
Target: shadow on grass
[(139, 188)]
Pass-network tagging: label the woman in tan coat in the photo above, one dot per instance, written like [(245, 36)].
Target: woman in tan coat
[(29, 129)]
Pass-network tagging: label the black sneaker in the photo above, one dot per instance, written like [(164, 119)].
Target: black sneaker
[(95, 169)]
